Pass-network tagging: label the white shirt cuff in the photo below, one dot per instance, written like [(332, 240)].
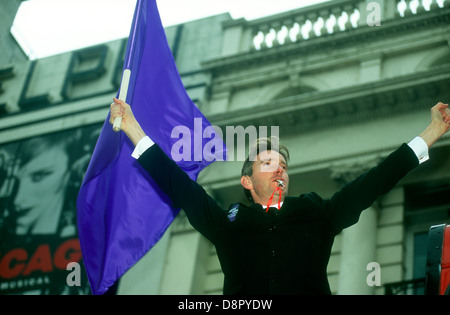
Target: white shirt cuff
[(420, 148), (142, 146)]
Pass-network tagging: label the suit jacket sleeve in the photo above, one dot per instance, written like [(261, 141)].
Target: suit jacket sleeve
[(346, 205), (202, 211)]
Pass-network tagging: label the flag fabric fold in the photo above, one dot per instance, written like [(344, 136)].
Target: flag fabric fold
[(121, 212)]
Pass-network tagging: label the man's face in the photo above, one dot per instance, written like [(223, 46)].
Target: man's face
[(269, 167)]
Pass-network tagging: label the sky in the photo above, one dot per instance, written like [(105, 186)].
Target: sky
[(47, 27)]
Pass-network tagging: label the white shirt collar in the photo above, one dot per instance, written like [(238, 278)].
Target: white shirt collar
[(274, 205)]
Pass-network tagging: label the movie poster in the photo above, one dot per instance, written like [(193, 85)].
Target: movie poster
[(39, 182)]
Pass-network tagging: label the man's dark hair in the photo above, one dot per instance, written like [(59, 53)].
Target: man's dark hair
[(261, 145)]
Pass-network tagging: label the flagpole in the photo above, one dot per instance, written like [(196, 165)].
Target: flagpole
[(127, 72), (122, 96)]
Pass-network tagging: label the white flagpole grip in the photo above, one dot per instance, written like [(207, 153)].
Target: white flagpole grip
[(122, 96)]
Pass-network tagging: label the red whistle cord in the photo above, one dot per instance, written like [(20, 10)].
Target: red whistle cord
[(271, 198)]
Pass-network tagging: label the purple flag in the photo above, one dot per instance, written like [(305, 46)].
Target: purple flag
[(121, 211)]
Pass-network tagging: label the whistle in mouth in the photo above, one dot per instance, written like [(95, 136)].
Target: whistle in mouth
[(280, 183)]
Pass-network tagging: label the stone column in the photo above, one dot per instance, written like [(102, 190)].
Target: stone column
[(358, 250), (145, 277), (180, 267), (358, 241)]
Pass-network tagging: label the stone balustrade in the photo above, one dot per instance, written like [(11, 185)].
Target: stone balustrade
[(319, 20)]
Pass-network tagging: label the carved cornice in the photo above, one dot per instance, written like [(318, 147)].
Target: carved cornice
[(338, 107), (331, 41), (346, 172)]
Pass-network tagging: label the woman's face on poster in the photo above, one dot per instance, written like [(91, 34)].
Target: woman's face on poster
[(42, 185)]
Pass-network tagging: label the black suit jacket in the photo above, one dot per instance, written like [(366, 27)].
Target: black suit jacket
[(282, 251)]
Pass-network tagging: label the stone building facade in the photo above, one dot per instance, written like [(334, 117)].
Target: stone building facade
[(346, 81)]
